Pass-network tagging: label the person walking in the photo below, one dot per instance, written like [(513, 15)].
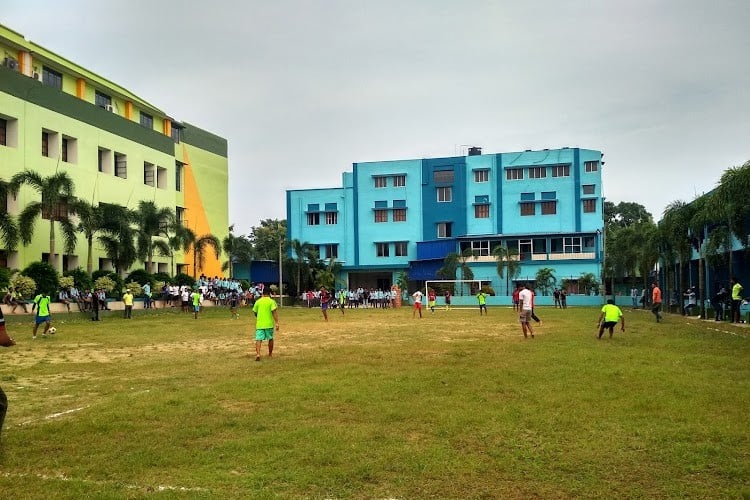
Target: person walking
[(266, 322), (127, 299), (736, 299), (609, 317), (94, 303), (41, 304), (482, 299), (525, 297), (656, 301), (718, 301), (417, 303), (447, 300), (634, 297), (431, 299), (195, 299)]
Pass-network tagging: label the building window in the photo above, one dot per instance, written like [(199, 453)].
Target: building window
[(59, 212), (537, 172), (572, 244), (482, 211), (589, 189), (51, 78), (591, 166), (399, 180), (45, 144), (102, 100), (64, 153), (589, 206), (179, 213), (382, 249), (178, 175), (148, 174), (401, 249), (176, 133), (514, 174), (399, 215), (528, 209), (444, 230), (332, 217), (561, 171), (481, 175), (313, 219), (381, 215), (443, 176), (549, 207), (121, 165), (445, 194), (381, 182), (3, 132), (161, 177), (104, 160), (332, 251), (147, 120)]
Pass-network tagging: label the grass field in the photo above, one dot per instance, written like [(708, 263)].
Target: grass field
[(375, 404)]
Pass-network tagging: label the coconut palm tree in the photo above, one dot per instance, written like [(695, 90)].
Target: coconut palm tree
[(118, 236), (90, 223), (8, 227), (507, 260), (179, 238), (237, 249), (302, 254), (199, 246), (545, 279), (56, 193), (152, 222)]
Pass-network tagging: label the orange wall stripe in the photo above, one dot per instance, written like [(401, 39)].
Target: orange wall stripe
[(81, 88), (167, 127), (128, 110), (197, 220)]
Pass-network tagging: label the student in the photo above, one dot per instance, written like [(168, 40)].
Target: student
[(609, 317), (447, 300), (266, 321), (526, 298), (656, 301), (325, 298), (736, 299), (417, 303), (127, 299), (41, 304), (431, 299), (195, 297), (482, 299)]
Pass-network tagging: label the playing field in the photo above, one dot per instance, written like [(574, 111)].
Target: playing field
[(375, 404)]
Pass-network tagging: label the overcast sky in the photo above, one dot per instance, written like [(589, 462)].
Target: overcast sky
[(303, 89)]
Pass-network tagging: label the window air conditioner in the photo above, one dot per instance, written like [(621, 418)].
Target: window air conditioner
[(110, 108), (11, 63)]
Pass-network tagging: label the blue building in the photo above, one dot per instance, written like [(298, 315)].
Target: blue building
[(407, 215)]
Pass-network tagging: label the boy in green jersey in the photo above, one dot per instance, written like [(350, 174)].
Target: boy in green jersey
[(41, 304), (610, 315), (266, 322)]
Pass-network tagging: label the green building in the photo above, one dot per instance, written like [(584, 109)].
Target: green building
[(117, 148)]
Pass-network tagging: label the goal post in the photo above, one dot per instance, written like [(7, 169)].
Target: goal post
[(458, 288)]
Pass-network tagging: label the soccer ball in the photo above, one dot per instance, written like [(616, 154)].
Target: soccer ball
[(52, 330)]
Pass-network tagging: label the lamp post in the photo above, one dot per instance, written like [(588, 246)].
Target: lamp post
[(600, 262), (281, 284)]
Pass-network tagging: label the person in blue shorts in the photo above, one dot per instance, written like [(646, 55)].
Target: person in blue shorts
[(41, 304), (266, 322), (325, 299)]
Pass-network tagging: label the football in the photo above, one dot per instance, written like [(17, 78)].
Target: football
[(52, 330)]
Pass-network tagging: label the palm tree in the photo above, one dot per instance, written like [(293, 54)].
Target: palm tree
[(199, 247), (56, 192), (507, 259), (118, 238), (675, 222), (455, 262), (302, 253), (545, 279), (179, 238), (90, 222), (8, 228), (152, 222)]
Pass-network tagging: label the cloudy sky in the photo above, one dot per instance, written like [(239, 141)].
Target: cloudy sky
[(303, 89)]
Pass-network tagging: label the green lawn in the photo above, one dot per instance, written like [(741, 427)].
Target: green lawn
[(375, 404)]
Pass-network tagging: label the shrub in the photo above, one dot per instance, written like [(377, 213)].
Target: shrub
[(67, 282), (81, 278), (140, 276), (164, 277), (135, 288), (116, 290), (487, 289), (25, 285), (44, 275), (104, 282), (245, 284), (184, 279)]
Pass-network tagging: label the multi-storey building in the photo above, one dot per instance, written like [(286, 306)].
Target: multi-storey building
[(118, 149), (407, 215)]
